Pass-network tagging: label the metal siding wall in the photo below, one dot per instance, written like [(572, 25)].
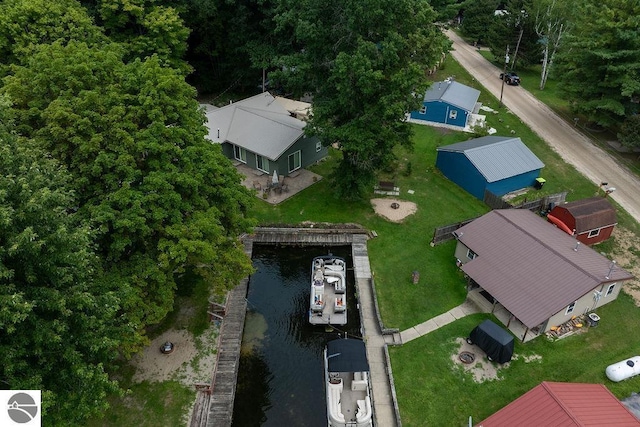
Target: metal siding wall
[(507, 185), (461, 118), (584, 305), (458, 169), (436, 112), (308, 154), (227, 150)]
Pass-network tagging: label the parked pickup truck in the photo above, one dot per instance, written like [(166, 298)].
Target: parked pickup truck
[(510, 78)]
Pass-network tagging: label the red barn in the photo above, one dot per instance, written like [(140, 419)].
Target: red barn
[(592, 220)]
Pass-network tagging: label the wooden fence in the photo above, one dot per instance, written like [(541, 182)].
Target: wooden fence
[(445, 233)]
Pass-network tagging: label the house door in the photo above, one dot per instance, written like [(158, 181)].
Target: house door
[(295, 160), (240, 154), (262, 164)]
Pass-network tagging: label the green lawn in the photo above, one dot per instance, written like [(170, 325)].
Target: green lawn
[(429, 389), (433, 391)]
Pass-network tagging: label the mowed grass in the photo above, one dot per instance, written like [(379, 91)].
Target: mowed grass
[(431, 392), (434, 391)]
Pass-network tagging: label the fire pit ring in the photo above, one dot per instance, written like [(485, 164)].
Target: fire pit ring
[(467, 357), (395, 205)]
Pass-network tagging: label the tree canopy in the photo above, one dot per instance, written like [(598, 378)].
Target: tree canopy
[(363, 62), (599, 68), (127, 195), (58, 319), (160, 197)]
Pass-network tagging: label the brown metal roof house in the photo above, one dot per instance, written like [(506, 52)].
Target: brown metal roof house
[(564, 404), (541, 277), (592, 220)]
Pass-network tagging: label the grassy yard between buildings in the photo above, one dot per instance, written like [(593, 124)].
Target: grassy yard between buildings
[(431, 391)]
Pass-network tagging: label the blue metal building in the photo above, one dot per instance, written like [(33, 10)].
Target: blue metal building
[(495, 163), (448, 102)]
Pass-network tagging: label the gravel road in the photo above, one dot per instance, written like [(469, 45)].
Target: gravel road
[(574, 147)]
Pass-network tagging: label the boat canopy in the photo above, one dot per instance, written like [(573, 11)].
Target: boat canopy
[(347, 355)]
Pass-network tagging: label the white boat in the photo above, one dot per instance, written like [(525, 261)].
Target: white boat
[(347, 386), (328, 298)]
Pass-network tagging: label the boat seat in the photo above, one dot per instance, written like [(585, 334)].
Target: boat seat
[(335, 407), (360, 385), (363, 413)]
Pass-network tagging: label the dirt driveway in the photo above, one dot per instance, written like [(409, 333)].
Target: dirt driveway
[(574, 147)]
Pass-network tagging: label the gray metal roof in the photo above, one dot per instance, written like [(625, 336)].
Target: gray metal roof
[(453, 93), (530, 266), (497, 157), (258, 124)]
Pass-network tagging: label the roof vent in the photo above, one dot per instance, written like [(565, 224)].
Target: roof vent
[(611, 267)]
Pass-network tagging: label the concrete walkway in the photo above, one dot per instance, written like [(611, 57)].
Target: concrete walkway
[(464, 309), (384, 408)]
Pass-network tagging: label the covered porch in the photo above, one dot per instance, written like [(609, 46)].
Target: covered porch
[(487, 304)]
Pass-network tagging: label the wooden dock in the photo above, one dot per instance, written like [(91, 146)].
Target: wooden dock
[(214, 404)]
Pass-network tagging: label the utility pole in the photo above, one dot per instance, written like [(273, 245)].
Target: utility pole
[(517, 47), (504, 71)]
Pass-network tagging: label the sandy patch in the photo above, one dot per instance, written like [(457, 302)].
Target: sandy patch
[(626, 255), (481, 369), (191, 362), (383, 208)]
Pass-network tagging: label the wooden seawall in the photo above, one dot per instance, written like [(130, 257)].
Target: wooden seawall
[(214, 405)]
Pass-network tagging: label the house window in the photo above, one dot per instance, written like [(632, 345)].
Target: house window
[(318, 146), (453, 114), (570, 308), (294, 161), (423, 109), (594, 233), (471, 254), (240, 154), (610, 289), (262, 163)]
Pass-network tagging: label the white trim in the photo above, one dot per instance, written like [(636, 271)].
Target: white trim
[(592, 234), (570, 308), (471, 254), (265, 163), (240, 153), (610, 289), (296, 155)]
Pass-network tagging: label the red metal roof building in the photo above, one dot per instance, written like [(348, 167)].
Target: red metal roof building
[(552, 404)]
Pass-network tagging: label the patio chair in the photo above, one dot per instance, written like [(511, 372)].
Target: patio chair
[(283, 185), (257, 185)]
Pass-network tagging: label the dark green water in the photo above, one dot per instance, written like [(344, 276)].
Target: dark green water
[(280, 379)]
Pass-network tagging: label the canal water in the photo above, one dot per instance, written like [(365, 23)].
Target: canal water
[(280, 377)]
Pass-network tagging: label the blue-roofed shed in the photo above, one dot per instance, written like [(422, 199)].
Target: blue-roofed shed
[(448, 102), (496, 163)]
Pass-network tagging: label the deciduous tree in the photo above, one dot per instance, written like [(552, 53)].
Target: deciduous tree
[(24, 24), (599, 68), (364, 63), (58, 322), (160, 197)]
